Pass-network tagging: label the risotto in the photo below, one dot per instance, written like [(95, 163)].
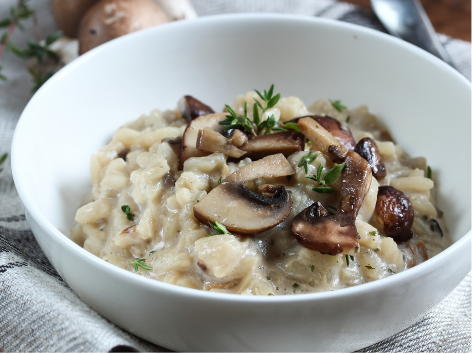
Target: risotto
[(268, 197)]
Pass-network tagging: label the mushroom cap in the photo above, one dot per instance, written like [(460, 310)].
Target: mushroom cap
[(243, 211), (394, 214), (192, 108), (209, 140), (68, 13), (367, 148), (110, 19), (320, 231)]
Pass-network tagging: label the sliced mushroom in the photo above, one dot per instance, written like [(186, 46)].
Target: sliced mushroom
[(318, 230), (321, 231), (192, 108), (238, 138), (394, 214), (269, 167), (189, 139), (283, 142), (209, 140), (414, 254), (339, 130), (356, 178), (243, 211), (368, 149), (322, 139)]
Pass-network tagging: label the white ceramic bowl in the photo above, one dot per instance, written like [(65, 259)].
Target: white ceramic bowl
[(424, 103)]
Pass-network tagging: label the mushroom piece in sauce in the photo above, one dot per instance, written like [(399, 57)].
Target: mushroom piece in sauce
[(191, 108), (269, 167), (189, 139), (368, 149), (321, 231), (283, 142), (243, 211), (323, 140), (394, 214), (339, 130), (209, 140)]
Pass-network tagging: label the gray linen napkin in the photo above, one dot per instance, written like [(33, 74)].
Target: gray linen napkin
[(40, 313)]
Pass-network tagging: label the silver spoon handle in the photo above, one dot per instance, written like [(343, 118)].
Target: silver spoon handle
[(407, 19)]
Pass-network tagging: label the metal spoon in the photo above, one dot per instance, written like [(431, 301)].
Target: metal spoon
[(406, 19)]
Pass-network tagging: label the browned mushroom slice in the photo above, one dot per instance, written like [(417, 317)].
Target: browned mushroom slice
[(189, 139), (356, 178), (238, 138), (323, 140), (209, 140), (192, 108), (284, 142), (414, 254), (394, 214), (339, 130), (318, 230), (368, 149), (268, 167), (243, 211)]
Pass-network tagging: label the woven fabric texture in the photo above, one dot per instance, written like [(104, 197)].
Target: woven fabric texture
[(40, 313)]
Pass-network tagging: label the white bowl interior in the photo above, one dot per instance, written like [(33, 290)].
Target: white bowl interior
[(425, 105)]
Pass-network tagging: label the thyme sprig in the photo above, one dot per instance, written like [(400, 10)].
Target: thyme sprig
[(219, 228), (329, 177), (139, 262), (45, 61), (2, 160), (337, 105), (127, 210), (256, 126), (306, 159)]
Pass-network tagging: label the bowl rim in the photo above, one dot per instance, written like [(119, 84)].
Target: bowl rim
[(35, 213)]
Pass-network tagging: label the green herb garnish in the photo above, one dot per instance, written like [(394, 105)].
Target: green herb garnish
[(377, 249), (152, 252), (267, 277), (256, 126), (390, 271), (312, 267), (306, 159), (139, 263), (329, 177), (429, 173), (2, 160), (219, 228), (337, 105), (356, 249), (127, 210), (347, 259), (220, 180), (270, 294), (369, 266), (373, 233), (348, 119), (292, 126)]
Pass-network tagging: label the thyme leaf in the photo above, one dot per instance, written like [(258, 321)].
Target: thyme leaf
[(219, 228), (337, 105), (127, 210), (139, 262), (306, 159)]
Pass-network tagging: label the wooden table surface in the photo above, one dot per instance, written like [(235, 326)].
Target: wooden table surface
[(450, 17)]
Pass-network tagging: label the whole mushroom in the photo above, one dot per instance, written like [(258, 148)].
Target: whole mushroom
[(109, 19)]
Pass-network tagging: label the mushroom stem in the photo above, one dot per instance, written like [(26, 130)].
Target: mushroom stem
[(320, 231), (323, 140)]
